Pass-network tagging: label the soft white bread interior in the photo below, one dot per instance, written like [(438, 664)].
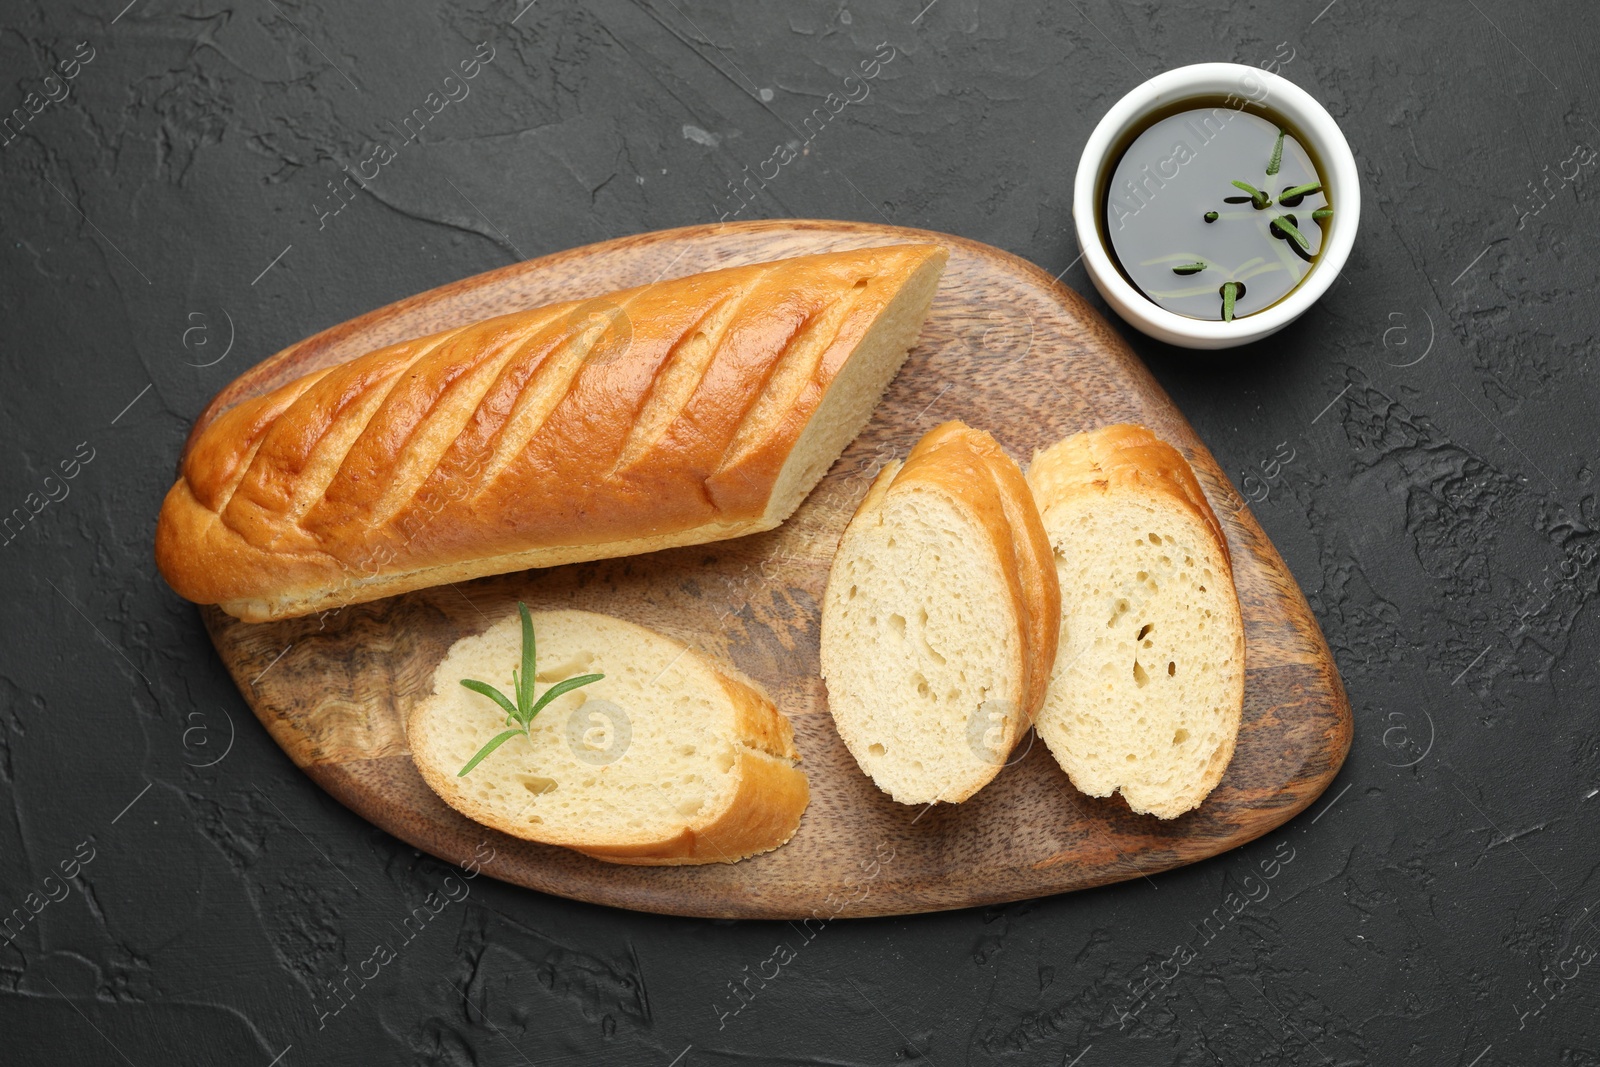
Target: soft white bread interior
[(939, 620), (669, 759), (1148, 686)]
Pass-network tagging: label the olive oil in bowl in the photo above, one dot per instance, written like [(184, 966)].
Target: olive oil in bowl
[(1212, 210)]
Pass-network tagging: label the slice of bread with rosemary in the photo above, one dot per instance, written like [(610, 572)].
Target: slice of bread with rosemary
[(666, 758)]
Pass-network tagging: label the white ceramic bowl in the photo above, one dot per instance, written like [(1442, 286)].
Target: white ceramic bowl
[(1272, 92)]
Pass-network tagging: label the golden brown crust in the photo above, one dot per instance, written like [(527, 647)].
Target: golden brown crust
[(761, 814), (535, 438), (1117, 457), (969, 466)]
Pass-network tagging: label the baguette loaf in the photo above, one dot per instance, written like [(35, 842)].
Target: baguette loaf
[(668, 759), (1148, 686), (939, 620), (691, 410)]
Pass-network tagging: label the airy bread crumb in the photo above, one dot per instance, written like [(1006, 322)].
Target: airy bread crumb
[(1148, 687), (938, 625)]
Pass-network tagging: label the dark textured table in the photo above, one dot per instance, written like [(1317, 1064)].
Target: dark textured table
[(190, 187)]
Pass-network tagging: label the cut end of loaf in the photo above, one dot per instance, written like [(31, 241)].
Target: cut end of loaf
[(666, 760), (857, 389), (1148, 688)]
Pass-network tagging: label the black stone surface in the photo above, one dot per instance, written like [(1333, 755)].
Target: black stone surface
[(197, 897)]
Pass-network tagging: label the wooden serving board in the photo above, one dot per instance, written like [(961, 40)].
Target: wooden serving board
[(1005, 349)]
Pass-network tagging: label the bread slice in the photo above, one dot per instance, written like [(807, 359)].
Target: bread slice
[(1149, 680), (684, 411), (669, 759), (939, 620)]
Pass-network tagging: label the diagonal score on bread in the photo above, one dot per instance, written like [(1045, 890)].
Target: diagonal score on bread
[(671, 414), (939, 620), (1148, 686), (669, 759)]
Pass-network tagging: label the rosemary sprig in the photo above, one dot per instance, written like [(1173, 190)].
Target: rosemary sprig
[(1257, 197), (1210, 216), (1277, 156), (519, 715), (1322, 213), (1190, 268), (1230, 293), (1292, 197), (1284, 225)]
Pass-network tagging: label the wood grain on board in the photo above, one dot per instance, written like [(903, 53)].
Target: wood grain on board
[(1005, 349)]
